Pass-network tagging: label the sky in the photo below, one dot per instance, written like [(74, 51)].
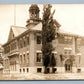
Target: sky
[(70, 17)]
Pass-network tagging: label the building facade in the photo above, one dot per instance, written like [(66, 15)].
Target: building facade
[(23, 49)]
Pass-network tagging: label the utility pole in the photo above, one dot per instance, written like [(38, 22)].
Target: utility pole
[(15, 14)]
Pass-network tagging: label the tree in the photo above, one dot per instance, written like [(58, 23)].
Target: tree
[(48, 34)]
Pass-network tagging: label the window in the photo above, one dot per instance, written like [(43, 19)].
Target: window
[(39, 69), (27, 69), (23, 70), (24, 58), (24, 43), (65, 52), (38, 39), (20, 70), (78, 70), (27, 60), (39, 57), (20, 43), (28, 40), (20, 59)]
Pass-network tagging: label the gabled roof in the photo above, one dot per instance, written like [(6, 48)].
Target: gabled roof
[(15, 31), (18, 30)]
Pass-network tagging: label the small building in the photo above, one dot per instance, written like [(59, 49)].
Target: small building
[(23, 52)]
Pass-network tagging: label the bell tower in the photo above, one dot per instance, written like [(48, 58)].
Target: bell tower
[(34, 12), (33, 16)]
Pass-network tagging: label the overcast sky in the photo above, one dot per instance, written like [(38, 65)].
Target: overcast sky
[(70, 16)]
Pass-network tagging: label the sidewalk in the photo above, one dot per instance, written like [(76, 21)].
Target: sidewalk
[(42, 76)]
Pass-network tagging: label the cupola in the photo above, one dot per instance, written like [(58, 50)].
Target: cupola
[(34, 12)]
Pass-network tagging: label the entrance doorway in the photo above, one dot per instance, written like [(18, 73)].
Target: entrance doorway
[(68, 65)]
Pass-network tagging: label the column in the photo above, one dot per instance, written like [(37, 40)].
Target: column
[(32, 53)]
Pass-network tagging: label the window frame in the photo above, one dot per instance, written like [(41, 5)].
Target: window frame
[(38, 40), (38, 57), (27, 57)]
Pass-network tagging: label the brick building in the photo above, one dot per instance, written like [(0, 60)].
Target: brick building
[(23, 49)]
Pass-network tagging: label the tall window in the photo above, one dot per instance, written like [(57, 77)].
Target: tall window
[(20, 42), (27, 60), (24, 43), (38, 39), (20, 59), (39, 57), (27, 40), (24, 58)]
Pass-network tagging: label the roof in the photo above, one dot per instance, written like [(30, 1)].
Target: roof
[(18, 30), (21, 30), (34, 7), (38, 27), (64, 32)]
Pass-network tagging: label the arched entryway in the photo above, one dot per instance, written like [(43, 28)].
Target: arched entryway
[(68, 65)]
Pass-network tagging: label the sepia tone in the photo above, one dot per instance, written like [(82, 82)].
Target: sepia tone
[(21, 56)]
